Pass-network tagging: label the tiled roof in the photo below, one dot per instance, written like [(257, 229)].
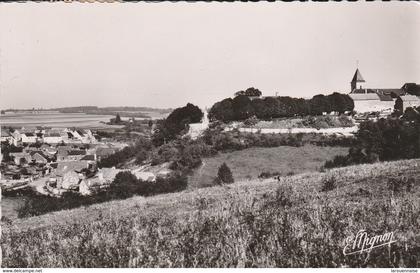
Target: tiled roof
[(76, 152), (88, 157), (390, 91), (52, 134), (66, 166), (39, 153)]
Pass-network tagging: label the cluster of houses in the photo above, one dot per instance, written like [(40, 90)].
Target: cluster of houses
[(50, 136), (380, 99), (60, 161)]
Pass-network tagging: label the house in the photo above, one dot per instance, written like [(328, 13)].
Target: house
[(21, 158), (145, 176), (52, 137), (372, 99), (50, 152), (6, 136), (28, 138), (108, 174), (92, 185), (17, 136), (75, 154), (71, 180), (67, 166), (410, 101), (39, 157), (102, 152), (81, 136), (102, 180)]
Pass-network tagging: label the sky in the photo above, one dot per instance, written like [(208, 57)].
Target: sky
[(167, 54)]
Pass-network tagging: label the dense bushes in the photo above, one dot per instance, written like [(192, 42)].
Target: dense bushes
[(124, 186), (185, 154), (242, 107), (235, 140), (140, 149), (386, 139)]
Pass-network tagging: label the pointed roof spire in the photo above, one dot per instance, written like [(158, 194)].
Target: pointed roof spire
[(357, 77)]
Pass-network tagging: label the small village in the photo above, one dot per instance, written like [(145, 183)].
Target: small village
[(56, 160)]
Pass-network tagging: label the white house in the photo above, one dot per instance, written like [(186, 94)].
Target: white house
[(6, 136), (28, 138), (52, 137)]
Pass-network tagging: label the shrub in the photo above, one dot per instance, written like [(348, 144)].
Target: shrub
[(252, 121), (328, 184), (264, 175), (401, 184), (141, 156), (224, 175)]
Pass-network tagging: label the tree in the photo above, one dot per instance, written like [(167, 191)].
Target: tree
[(222, 111), (399, 106), (141, 156), (250, 92), (117, 118), (338, 102), (176, 123), (224, 175), (319, 104), (242, 107)]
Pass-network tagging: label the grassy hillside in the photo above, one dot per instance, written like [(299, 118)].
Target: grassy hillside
[(250, 163), (286, 223)]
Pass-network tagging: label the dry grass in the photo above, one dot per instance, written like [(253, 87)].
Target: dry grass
[(249, 163), (286, 223)]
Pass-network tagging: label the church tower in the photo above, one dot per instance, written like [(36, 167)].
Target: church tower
[(356, 78)]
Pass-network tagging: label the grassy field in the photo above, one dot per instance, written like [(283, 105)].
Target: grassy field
[(250, 163), (270, 223)]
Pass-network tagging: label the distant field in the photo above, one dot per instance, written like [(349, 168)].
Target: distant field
[(54, 119), (249, 163)]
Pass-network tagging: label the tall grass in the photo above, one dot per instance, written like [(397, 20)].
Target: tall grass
[(293, 224)]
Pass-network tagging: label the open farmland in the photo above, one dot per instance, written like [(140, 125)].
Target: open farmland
[(250, 163), (286, 223)]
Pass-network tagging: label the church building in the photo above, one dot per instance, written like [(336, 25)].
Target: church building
[(372, 99)]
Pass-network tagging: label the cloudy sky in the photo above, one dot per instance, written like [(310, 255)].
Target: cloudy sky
[(168, 54)]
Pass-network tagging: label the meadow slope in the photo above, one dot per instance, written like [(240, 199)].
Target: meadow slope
[(259, 223)]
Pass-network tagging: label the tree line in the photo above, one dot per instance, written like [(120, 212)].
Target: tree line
[(241, 107)]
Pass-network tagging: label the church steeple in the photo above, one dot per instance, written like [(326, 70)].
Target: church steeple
[(356, 78)]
